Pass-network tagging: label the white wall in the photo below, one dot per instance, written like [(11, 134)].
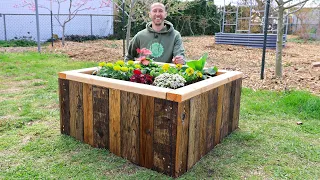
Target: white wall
[(18, 25)]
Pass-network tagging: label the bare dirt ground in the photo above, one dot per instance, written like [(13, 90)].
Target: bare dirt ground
[(298, 72)]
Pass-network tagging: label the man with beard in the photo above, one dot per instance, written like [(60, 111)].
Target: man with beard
[(159, 37)]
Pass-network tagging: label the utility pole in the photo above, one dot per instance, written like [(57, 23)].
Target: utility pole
[(266, 20), (38, 28)]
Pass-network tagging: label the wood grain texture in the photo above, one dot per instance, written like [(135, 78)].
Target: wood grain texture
[(194, 131), (225, 111), (182, 138), (114, 124), (100, 117), (76, 110), (192, 90), (231, 105), (236, 112), (88, 114), (211, 120), (138, 88), (64, 106), (203, 113), (130, 120), (164, 142), (146, 131), (219, 114)]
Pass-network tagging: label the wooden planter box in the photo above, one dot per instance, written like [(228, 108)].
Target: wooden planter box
[(161, 129)]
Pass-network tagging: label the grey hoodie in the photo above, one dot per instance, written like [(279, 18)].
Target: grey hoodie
[(164, 45)]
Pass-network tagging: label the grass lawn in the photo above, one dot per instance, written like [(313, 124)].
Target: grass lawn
[(268, 145)]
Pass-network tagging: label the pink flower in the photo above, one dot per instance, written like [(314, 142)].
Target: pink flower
[(138, 51), (144, 51), (143, 60)]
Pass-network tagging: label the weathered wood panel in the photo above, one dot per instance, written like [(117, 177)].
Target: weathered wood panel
[(64, 106), (231, 105), (236, 112), (182, 138), (203, 114), (146, 131), (76, 110), (164, 142), (114, 124), (225, 111), (194, 131), (130, 120), (219, 114), (88, 114), (211, 119), (100, 117)]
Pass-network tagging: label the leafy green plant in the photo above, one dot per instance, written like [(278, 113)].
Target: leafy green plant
[(146, 70), (198, 64)]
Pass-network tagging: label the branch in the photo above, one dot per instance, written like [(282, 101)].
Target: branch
[(297, 9), (279, 2), (121, 9), (302, 2)]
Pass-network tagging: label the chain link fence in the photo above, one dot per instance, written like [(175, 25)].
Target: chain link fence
[(23, 26)]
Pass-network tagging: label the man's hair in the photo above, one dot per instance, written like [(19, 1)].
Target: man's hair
[(158, 3)]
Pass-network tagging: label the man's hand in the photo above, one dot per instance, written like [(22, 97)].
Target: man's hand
[(178, 60)]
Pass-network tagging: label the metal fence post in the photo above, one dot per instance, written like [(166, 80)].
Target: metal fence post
[(5, 28), (91, 24)]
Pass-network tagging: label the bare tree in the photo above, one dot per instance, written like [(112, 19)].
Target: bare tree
[(74, 7), (284, 5)]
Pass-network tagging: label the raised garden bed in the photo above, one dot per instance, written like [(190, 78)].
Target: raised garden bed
[(158, 128)]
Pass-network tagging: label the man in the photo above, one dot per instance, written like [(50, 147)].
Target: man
[(160, 37)]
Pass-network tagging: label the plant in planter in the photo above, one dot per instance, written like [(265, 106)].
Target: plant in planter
[(167, 80), (148, 72)]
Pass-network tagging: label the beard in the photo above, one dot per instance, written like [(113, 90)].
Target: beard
[(158, 22)]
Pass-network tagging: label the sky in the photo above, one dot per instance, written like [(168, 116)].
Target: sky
[(311, 3)]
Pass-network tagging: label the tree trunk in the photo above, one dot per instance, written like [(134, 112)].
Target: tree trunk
[(129, 24), (279, 42), (63, 30)]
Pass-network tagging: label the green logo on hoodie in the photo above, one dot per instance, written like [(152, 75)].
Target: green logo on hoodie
[(156, 49)]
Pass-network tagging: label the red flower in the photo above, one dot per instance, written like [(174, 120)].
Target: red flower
[(137, 71), (141, 78)]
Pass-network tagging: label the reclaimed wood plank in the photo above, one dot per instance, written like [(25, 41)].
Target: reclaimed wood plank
[(165, 129), (203, 115), (211, 120), (182, 138), (225, 111), (130, 120), (192, 90), (64, 106), (114, 124), (231, 105), (88, 114), (146, 131), (76, 110), (138, 88), (219, 114), (194, 131), (235, 121), (100, 117)]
